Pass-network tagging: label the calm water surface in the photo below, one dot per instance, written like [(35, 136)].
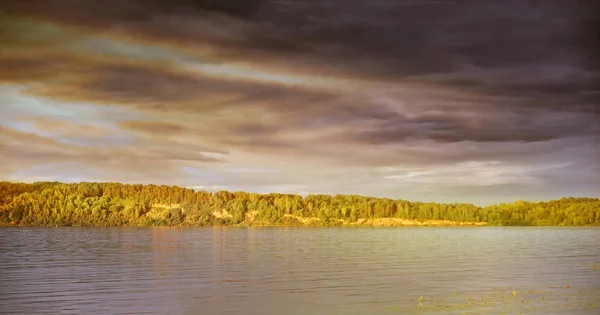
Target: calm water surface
[(227, 270)]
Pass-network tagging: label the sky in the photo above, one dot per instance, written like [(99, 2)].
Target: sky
[(447, 101)]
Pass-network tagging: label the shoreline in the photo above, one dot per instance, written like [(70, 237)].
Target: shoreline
[(244, 225), (301, 222)]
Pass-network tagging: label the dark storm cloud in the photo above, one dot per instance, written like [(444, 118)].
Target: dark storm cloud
[(415, 83), (163, 88), (147, 86), (467, 43), (496, 126), (414, 37)]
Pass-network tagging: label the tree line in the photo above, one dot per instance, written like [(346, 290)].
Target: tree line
[(115, 204)]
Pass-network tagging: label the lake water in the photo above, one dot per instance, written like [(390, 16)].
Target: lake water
[(231, 270)]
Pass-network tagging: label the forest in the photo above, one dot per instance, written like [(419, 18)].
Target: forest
[(115, 204)]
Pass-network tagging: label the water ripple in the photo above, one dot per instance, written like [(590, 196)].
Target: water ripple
[(299, 270)]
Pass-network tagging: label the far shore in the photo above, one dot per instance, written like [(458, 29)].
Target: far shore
[(301, 222)]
